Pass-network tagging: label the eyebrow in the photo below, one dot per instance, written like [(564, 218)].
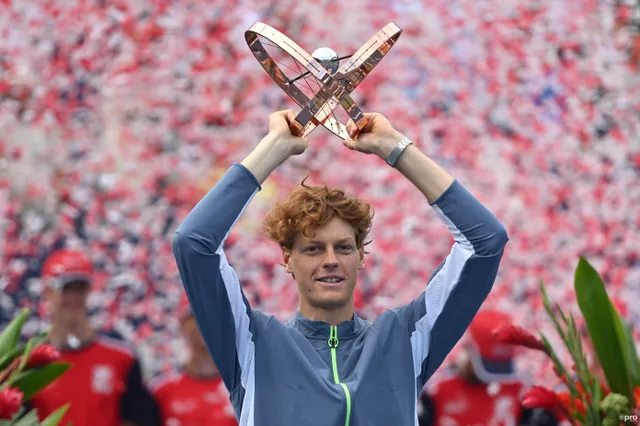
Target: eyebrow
[(341, 241)]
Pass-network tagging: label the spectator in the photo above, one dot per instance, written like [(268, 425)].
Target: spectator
[(482, 388), (115, 117), (196, 394), (104, 383)]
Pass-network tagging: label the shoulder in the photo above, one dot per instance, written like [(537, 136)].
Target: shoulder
[(402, 317), (396, 318)]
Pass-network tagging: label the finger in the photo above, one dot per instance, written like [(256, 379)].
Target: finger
[(360, 143), (274, 119), (280, 120), (369, 123), (295, 127), (349, 143), (371, 118), (289, 115), (352, 129), (278, 117)]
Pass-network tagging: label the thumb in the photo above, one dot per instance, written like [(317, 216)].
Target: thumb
[(367, 123), (360, 143), (300, 145), (295, 128), (349, 143), (283, 119)]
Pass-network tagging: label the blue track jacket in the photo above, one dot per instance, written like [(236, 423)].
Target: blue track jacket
[(309, 373)]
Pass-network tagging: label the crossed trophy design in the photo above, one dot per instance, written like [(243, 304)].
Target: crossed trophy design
[(318, 82)]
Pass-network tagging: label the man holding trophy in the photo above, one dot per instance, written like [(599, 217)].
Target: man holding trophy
[(327, 366)]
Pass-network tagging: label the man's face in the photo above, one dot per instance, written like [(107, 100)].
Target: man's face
[(69, 304), (192, 334), (331, 255)]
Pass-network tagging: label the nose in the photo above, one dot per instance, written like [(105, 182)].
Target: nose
[(330, 260)]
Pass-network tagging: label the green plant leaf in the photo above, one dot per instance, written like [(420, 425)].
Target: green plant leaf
[(629, 348), (552, 314), (22, 363), (32, 381), (579, 417), (573, 390), (597, 397), (54, 418), (30, 419), (40, 338), (597, 311), (11, 335), (573, 345), (8, 358)]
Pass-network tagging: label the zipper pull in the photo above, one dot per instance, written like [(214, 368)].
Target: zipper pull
[(333, 337)]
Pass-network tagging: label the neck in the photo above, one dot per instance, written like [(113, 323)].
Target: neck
[(329, 316), (201, 365), (60, 333)]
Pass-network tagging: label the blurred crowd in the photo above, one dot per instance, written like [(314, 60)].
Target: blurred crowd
[(117, 116)]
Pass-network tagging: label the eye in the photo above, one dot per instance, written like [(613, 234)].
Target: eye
[(345, 248), (312, 249)]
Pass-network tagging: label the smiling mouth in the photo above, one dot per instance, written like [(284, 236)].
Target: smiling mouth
[(330, 281)]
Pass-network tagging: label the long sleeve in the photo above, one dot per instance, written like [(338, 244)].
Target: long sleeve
[(226, 321), (438, 318)]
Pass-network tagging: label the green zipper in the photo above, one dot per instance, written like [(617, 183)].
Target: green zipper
[(333, 344)]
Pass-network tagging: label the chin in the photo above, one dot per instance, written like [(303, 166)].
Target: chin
[(330, 302)]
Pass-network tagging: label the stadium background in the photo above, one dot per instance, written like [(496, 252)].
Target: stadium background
[(117, 116)]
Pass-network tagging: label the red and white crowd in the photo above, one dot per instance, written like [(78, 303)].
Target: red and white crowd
[(117, 116)]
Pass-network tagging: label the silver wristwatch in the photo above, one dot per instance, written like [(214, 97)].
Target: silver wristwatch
[(397, 151)]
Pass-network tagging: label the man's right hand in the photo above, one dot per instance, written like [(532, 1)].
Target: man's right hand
[(282, 130), (276, 147)]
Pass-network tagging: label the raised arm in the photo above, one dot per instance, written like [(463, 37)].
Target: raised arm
[(225, 319), (438, 318), (440, 315)]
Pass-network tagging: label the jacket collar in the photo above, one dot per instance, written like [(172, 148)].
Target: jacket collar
[(321, 330)]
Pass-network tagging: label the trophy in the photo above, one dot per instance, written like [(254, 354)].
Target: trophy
[(319, 82)]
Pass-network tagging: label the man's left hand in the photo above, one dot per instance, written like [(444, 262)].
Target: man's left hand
[(377, 137)]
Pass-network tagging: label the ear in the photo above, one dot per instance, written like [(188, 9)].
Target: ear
[(361, 261), (286, 259)]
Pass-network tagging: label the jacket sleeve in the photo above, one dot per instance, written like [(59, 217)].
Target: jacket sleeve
[(226, 321), (438, 318)]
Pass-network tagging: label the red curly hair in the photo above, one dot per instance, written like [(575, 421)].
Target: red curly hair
[(311, 207)]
